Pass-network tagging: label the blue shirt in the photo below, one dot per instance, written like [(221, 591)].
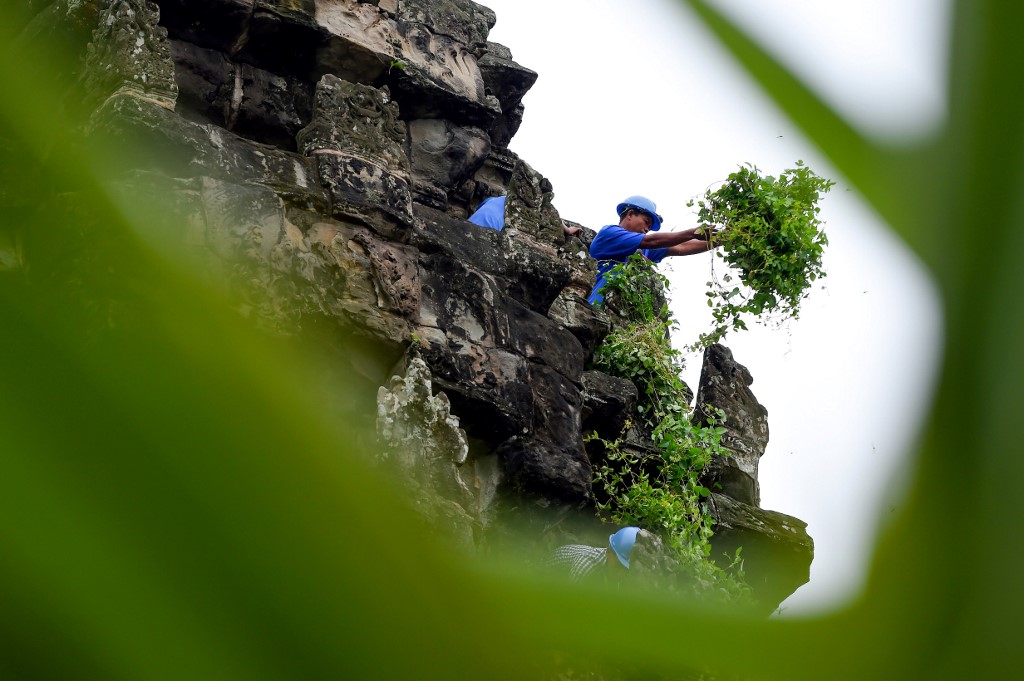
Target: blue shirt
[(655, 255), (614, 245), (490, 213)]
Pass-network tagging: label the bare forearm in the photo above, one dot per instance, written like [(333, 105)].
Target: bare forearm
[(691, 247), (668, 239)]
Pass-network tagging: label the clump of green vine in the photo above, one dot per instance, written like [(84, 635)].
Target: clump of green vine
[(664, 495), (639, 347), (771, 237)]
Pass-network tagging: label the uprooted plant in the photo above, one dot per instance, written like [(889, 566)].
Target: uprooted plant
[(771, 238)]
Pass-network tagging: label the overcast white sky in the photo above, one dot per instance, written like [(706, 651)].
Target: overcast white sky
[(635, 98)]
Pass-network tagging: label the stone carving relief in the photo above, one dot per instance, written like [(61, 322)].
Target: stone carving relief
[(529, 208), (130, 54), (358, 22), (423, 442), (355, 119), (443, 155), (443, 60), (357, 143)]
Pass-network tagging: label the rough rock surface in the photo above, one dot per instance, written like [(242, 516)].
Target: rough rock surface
[(426, 448), (777, 551), (323, 156), (724, 383)]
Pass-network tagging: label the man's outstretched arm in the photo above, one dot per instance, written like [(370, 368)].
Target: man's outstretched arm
[(691, 247), (668, 239)]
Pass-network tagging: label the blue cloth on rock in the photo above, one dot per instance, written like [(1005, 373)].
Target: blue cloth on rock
[(490, 213)]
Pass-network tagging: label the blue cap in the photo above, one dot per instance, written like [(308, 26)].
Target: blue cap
[(644, 204), (622, 543)]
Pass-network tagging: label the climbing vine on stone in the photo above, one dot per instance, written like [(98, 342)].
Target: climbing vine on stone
[(771, 237), (662, 496), (639, 347)]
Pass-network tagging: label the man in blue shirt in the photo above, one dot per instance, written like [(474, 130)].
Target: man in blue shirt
[(637, 230)]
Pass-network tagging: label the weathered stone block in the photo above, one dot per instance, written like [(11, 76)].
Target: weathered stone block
[(357, 143), (505, 126), (251, 102), (464, 303), (439, 78), (206, 82), (584, 321), (366, 192), (608, 402), (443, 155), (423, 440), (532, 273), (529, 206), (488, 387), (241, 219), (557, 409), (546, 473), (437, 232), (542, 341), (462, 20), (217, 25), (724, 383), (535, 272), (582, 268), (777, 552), (282, 36), (270, 108), (724, 475), (154, 138), (504, 78), (389, 6), (130, 55), (360, 40), (357, 120), (373, 277), (494, 175)]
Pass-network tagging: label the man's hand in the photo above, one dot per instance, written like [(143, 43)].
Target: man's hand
[(707, 232)]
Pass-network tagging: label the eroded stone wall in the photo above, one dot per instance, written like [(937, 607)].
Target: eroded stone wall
[(324, 155)]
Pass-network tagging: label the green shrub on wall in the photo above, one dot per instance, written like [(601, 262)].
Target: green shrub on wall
[(665, 495)]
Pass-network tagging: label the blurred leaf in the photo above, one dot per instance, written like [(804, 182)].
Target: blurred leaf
[(175, 502)]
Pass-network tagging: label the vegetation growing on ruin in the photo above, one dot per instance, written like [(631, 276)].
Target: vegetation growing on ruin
[(661, 494), (772, 242)]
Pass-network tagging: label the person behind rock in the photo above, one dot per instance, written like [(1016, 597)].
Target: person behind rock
[(491, 214), (585, 562), (638, 231)]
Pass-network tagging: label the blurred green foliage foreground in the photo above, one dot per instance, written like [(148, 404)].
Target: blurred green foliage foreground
[(174, 503)]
